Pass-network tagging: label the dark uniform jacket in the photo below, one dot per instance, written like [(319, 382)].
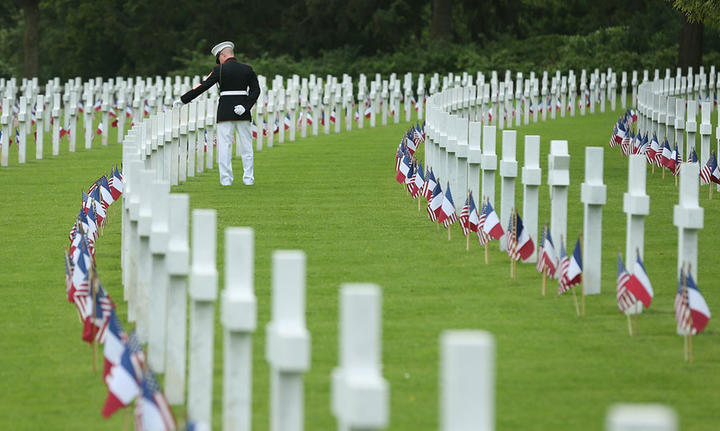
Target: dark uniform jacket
[(232, 76)]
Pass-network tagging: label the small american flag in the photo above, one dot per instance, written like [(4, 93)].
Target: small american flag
[(682, 307), (465, 216), (483, 238), (625, 298), (563, 286)]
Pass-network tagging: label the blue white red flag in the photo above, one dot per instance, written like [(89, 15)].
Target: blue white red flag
[(435, 203), (691, 311), (547, 259), (115, 340), (403, 170), (429, 186), (152, 411), (418, 181), (447, 215), (491, 225), (707, 170)]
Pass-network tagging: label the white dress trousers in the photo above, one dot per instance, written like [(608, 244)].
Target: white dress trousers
[(225, 132)]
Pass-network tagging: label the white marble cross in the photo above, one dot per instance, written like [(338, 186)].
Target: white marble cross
[(39, 127), (6, 128), (238, 315), (159, 237), (641, 417), (203, 294), (56, 124), (691, 130), (558, 180), (142, 189), (178, 267), (360, 394), (467, 381), (475, 160), (508, 173), (22, 118), (623, 89), (287, 348), (489, 164), (531, 180), (461, 167), (688, 216), (636, 204), (705, 132), (593, 193), (192, 138)]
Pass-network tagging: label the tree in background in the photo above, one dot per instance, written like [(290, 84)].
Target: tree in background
[(31, 37), (146, 38)]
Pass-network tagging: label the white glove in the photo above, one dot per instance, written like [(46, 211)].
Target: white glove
[(177, 103), (239, 109)]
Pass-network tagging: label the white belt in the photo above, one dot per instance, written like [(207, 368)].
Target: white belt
[(234, 93)]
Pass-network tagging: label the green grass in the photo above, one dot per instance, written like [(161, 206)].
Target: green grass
[(335, 197)]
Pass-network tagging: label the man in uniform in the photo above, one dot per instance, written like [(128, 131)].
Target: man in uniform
[(239, 91)]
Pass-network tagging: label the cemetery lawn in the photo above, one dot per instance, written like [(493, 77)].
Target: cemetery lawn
[(335, 197)]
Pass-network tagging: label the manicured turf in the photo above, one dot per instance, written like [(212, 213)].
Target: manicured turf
[(335, 197)]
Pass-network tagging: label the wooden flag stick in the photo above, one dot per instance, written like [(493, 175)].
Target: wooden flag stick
[(487, 257), (418, 199), (467, 241), (712, 186), (544, 284), (636, 323), (663, 174), (582, 284), (629, 325), (126, 420), (653, 168), (577, 307), (449, 232), (676, 181)]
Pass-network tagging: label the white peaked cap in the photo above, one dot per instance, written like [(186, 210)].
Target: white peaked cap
[(220, 46)]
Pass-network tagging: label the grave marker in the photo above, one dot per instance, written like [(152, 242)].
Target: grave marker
[(688, 217), (288, 341), (593, 193), (636, 204), (360, 394), (239, 318), (467, 381), (203, 293), (489, 164), (531, 180), (178, 267), (558, 180), (641, 417), (508, 173)]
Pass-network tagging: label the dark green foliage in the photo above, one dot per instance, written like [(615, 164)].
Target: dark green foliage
[(135, 37)]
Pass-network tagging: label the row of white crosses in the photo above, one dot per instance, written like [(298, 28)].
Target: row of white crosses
[(162, 269), (668, 110), (454, 152), (462, 152), (295, 99)]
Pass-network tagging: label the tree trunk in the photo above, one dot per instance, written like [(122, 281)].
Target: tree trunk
[(441, 26), (31, 38), (691, 41)]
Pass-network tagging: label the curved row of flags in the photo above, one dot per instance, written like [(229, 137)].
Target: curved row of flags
[(633, 291), (125, 373), (656, 154)]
